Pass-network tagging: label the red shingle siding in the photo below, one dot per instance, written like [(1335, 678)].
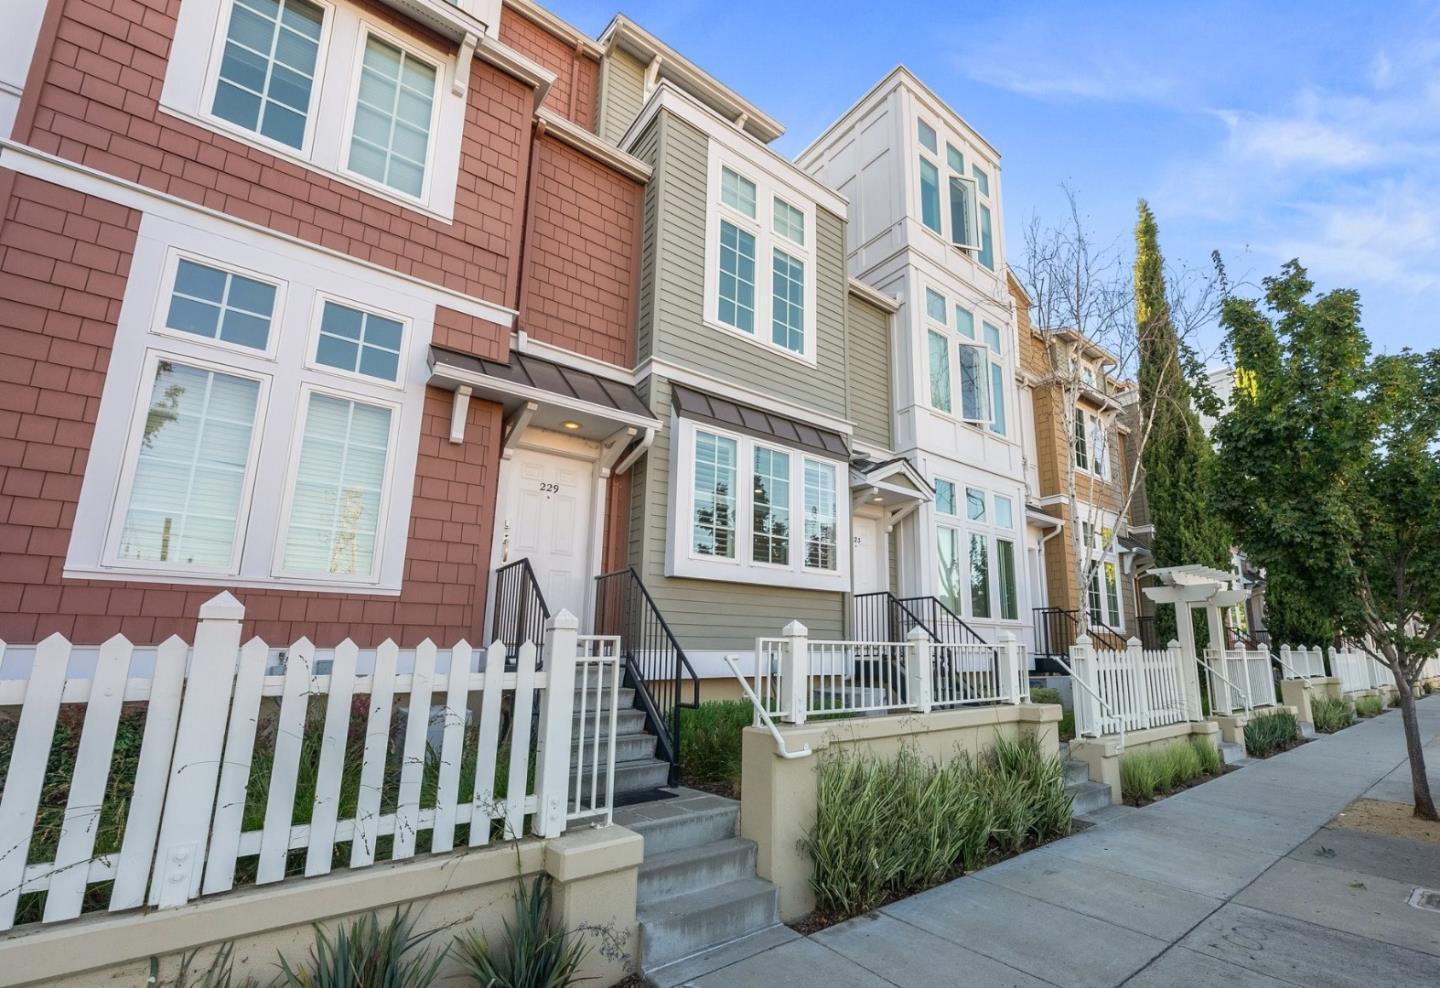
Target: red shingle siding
[(573, 94), (64, 257), (581, 255), (99, 105)]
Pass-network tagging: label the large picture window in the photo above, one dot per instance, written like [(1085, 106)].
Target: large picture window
[(975, 553), (954, 355), (751, 511)]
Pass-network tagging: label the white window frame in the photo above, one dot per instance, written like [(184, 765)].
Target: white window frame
[(1097, 445), (955, 340), (305, 278), (940, 158), (297, 441), (768, 187), (370, 30), (125, 487), (1097, 555), (990, 530), (312, 347), (681, 560), (194, 68), (166, 286)]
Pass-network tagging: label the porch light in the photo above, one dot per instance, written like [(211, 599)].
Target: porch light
[(572, 426)]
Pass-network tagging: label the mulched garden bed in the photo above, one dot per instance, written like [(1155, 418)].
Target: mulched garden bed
[(1289, 747)]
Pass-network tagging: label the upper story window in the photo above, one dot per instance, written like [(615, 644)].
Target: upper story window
[(949, 197), (760, 278), (258, 426), (997, 380), (751, 511), (327, 85), (986, 243), (1091, 444), (955, 356)]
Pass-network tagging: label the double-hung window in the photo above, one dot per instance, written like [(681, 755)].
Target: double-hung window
[(759, 280), (752, 511), (954, 355), (260, 443), (328, 84)]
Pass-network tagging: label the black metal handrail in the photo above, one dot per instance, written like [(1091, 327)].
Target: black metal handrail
[(883, 617), (1056, 629), (520, 612), (948, 627), (655, 664)]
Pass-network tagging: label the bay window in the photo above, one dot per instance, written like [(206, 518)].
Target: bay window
[(936, 174), (970, 363), (763, 247), (740, 503), (975, 554)]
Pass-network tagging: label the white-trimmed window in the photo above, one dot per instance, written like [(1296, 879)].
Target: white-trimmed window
[(1092, 444), (751, 511), (327, 84), (949, 198), (997, 380), (976, 553), (955, 355), (986, 253), (760, 271), (1102, 591), (260, 421)]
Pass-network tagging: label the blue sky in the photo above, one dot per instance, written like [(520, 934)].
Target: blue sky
[(1265, 130)]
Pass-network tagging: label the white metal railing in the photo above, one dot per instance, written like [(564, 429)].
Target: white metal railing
[(1131, 689), (1301, 663), (797, 677), (1353, 668), (1240, 679), (196, 823)]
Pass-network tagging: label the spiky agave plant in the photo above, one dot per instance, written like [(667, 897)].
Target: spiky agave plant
[(365, 954), (534, 954)]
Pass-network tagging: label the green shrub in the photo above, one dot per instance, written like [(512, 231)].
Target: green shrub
[(1368, 706), (710, 742), (535, 955), (1044, 694), (1067, 726), (1331, 715), (1395, 700), (1157, 771), (886, 827), (1270, 733), (364, 953)]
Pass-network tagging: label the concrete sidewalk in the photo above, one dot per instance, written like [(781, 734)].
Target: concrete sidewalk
[(1237, 881)]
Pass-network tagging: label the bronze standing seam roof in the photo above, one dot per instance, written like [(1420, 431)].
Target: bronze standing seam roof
[(759, 423), (545, 375)]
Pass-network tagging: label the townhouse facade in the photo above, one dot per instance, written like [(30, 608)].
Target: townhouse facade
[(926, 228), (296, 295)]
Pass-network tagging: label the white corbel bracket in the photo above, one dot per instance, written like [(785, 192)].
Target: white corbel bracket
[(459, 411), (613, 446), (462, 65), (896, 515), (515, 425)]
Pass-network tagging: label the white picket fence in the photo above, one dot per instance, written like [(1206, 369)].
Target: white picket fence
[(184, 827), (1357, 671), (797, 677), (1301, 662), (1131, 689), (1240, 679)]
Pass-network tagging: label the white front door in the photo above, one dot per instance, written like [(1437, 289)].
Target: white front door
[(547, 513), (869, 563)]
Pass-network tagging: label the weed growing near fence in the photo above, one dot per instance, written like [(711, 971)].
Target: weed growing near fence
[(1368, 706), (1269, 734), (1047, 694), (887, 828), (1331, 715), (710, 744), (1151, 773)]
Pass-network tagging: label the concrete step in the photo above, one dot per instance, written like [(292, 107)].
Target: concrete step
[(682, 925), (625, 696), (1307, 730), (685, 971), (627, 721), (1076, 771), (650, 773), (628, 748), (1107, 814), (1087, 797), (1233, 753), (670, 825), (686, 869)]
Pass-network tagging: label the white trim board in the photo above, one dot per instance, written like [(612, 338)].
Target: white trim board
[(27, 160)]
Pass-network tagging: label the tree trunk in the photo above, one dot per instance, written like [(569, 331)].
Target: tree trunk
[(1424, 802)]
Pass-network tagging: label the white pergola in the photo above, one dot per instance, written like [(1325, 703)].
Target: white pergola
[(1191, 587)]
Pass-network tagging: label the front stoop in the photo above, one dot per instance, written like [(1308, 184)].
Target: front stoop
[(699, 902), (637, 769), (1087, 798), (1234, 753)]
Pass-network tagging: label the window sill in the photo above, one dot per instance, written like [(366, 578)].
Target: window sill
[(226, 582), (296, 157), (836, 581), (754, 340)]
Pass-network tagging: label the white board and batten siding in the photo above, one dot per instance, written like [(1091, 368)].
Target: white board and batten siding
[(184, 829)]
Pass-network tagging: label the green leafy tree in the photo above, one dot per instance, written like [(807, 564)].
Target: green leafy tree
[(1332, 480), (1178, 460)]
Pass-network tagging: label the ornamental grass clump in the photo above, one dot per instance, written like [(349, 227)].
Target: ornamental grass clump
[(535, 953), (1269, 734), (1368, 706), (364, 953), (1331, 715), (710, 743), (885, 828), (1150, 773)]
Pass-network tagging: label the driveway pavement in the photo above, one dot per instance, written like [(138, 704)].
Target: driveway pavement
[(1237, 881)]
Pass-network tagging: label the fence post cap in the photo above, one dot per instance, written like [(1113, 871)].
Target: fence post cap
[(1173, 644), (1006, 636), (1134, 642), (794, 630), (563, 620), (916, 634), (1083, 640), (224, 606)]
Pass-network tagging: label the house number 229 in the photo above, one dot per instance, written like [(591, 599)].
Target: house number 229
[(549, 488)]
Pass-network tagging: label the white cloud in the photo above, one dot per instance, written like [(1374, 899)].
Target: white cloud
[(1298, 142)]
